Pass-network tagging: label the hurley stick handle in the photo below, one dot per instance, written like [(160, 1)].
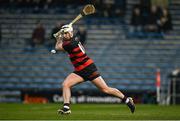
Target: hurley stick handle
[(76, 19)]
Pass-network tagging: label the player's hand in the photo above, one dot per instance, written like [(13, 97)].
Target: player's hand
[(58, 35)]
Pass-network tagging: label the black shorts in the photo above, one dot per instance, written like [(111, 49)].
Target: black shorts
[(89, 73)]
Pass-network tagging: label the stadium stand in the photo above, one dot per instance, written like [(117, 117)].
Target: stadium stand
[(126, 64)]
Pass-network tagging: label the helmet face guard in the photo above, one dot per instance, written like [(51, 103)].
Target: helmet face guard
[(66, 28)]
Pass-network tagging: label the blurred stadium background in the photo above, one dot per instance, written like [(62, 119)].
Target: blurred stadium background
[(128, 59)]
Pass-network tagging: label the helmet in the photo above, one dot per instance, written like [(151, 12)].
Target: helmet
[(66, 28)]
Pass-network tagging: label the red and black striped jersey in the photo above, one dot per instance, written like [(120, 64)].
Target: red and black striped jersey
[(77, 54)]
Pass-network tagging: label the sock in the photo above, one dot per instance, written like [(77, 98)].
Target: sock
[(66, 105), (125, 100)]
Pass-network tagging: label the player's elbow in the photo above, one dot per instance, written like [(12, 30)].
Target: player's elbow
[(57, 47)]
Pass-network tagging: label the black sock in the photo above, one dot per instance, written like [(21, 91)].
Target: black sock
[(124, 99), (66, 105)]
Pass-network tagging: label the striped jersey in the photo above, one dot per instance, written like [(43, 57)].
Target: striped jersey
[(77, 54)]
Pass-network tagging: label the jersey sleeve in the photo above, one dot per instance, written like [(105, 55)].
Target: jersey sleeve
[(74, 44), (69, 46)]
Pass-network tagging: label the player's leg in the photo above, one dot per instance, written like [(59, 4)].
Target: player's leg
[(71, 80), (101, 84)]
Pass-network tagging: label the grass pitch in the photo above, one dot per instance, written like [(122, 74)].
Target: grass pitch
[(88, 112)]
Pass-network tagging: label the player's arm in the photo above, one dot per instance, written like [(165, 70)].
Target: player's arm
[(59, 43)]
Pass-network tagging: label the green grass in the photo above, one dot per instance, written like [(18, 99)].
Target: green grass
[(88, 112)]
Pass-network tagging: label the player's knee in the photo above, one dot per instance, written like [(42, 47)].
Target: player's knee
[(65, 85)]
